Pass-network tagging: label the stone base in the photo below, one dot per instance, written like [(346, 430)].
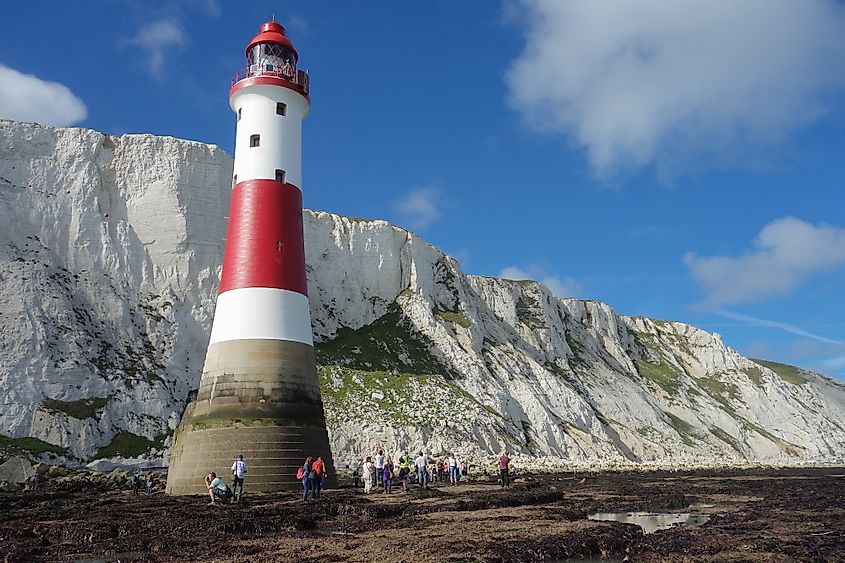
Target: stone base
[(273, 455), (257, 398)]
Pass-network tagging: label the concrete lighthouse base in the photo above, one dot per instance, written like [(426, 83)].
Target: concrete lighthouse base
[(257, 398)]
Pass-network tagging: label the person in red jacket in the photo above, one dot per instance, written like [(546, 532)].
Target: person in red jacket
[(319, 468), (504, 471)]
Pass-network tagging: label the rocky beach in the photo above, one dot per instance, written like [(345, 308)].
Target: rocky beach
[(747, 515)]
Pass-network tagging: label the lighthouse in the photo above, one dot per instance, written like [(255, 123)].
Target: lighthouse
[(259, 395)]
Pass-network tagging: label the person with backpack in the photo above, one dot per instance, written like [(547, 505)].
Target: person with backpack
[(303, 475), (387, 475), (319, 470), (369, 473), (404, 470), (136, 482), (238, 471)]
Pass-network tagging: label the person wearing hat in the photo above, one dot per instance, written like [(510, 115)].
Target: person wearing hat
[(238, 473)]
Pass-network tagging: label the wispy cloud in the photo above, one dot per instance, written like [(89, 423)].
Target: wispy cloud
[(156, 40), (28, 98), (420, 207), (788, 253), (297, 25), (561, 286), (676, 83), (833, 363), (754, 321)]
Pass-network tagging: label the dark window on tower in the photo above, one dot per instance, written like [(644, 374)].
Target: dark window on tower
[(280, 176), (281, 108), (240, 110), (235, 180), (254, 140)]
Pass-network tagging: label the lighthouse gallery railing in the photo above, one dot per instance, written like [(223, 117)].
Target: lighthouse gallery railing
[(300, 77)]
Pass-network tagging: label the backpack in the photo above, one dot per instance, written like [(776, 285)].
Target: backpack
[(300, 473)]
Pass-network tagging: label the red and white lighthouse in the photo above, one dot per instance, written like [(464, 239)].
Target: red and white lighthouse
[(259, 395), (264, 262)]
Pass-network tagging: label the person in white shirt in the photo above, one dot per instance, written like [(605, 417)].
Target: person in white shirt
[(422, 472), (238, 472), (379, 466), (453, 469), (369, 472)]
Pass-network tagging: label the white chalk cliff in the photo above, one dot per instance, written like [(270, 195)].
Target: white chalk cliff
[(110, 255)]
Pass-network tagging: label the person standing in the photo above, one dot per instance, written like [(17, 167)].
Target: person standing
[(404, 470), (136, 482), (453, 469), (238, 473), (303, 474), (319, 469), (379, 466), (422, 471), (504, 469), (369, 473), (387, 475)]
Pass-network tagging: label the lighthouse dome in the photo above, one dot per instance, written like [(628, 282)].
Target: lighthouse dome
[(271, 42)]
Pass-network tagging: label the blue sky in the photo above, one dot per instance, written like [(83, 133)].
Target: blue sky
[(680, 160)]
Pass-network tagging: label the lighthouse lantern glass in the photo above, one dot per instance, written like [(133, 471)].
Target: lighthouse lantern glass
[(271, 57)]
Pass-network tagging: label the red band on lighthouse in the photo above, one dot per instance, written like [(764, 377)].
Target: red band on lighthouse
[(264, 245)]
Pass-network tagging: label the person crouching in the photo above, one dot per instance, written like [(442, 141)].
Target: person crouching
[(217, 488)]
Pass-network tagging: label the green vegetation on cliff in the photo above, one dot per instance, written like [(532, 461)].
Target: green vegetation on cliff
[(788, 373), (81, 409)]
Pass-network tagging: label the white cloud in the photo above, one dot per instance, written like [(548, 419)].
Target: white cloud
[(754, 321), (28, 98), (157, 40), (561, 286), (672, 82), (788, 253), (420, 207)]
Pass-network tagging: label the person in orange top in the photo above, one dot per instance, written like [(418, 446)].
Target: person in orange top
[(319, 468)]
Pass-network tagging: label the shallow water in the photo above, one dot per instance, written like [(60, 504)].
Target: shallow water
[(701, 505), (651, 522)]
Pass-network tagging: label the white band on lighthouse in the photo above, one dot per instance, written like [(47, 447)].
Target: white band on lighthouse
[(279, 314), (279, 137)]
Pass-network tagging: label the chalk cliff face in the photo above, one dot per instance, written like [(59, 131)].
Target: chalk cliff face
[(110, 254)]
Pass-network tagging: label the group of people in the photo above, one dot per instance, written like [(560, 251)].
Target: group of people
[(312, 474), (218, 490), (139, 480), (380, 471), (377, 471)]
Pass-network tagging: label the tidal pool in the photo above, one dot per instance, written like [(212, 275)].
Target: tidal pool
[(651, 522)]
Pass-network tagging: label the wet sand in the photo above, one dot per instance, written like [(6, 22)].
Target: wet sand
[(762, 515)]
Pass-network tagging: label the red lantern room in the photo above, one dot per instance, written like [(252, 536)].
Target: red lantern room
[(271, 54)]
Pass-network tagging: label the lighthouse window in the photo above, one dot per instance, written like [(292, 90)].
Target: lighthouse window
[(240, 111), (280, 176), (254, 140), (281, 108)]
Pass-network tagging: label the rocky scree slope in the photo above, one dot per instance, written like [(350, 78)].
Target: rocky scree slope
[(110, 253)]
